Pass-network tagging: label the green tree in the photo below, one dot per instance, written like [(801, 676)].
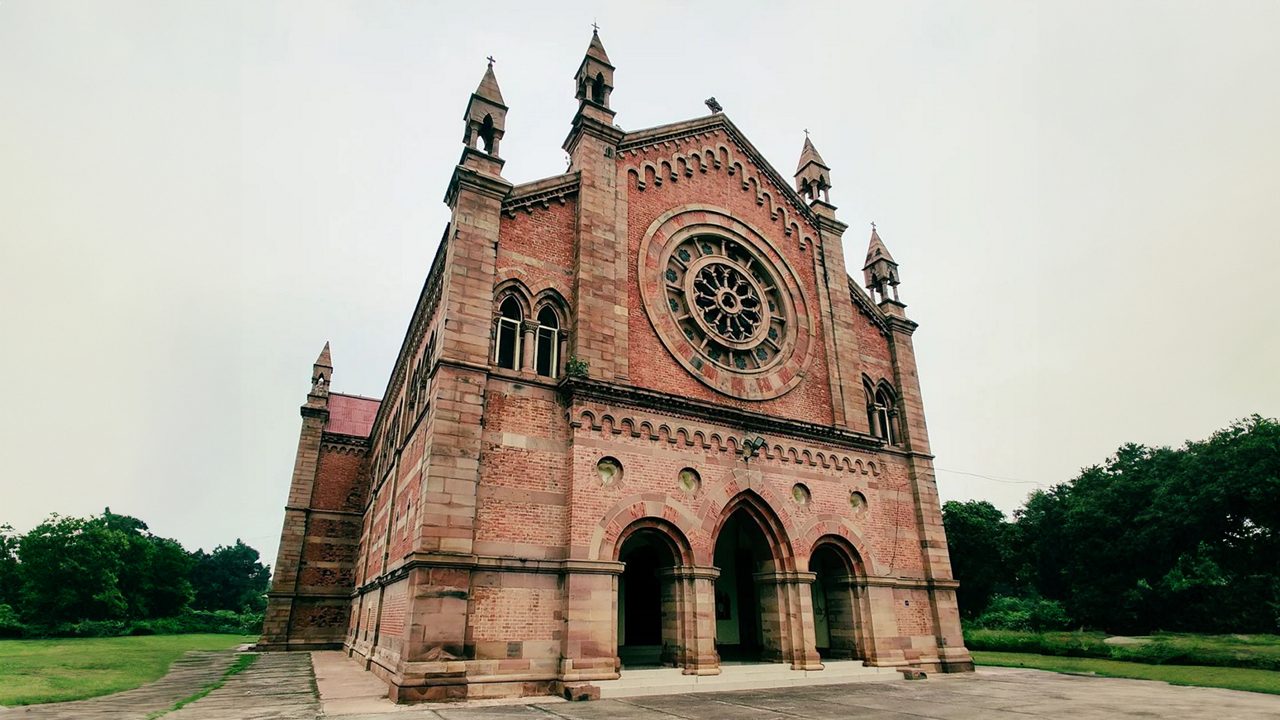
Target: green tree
[(9, 580), (70, 569), (1162, 538), (978, 540), (154, 571), (230, 578), (109, 567)]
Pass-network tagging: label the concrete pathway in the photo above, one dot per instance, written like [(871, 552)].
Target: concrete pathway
[(186, 676), (277, 686)]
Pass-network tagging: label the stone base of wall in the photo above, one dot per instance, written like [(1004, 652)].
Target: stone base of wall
[(457, 680)]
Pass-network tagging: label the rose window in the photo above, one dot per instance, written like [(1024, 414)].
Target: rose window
[(723, 299), (726, 302)]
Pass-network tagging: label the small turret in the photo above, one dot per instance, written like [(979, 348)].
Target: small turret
[(880, 270), (595, 80), (593, 124), (486, 115), (813, 177), (322, 373)]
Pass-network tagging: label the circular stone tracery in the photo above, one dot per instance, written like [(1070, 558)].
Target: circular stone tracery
[(725, 303)]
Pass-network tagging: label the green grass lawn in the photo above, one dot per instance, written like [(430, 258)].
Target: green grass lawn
[(1232, 678), (1257, 651), (41, 671)]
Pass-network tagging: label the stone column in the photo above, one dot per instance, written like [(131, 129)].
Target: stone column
[(838, 319), (529, 346), (696, 618), (879, 612), (786, 618), (589, 648), (842, 616), (431, 667)]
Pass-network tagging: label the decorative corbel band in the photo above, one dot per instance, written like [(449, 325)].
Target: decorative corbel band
[(574, 387)]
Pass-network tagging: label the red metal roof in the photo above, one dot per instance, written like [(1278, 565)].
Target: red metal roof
[(351, 414)]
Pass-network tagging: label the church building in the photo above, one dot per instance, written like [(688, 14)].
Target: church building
[(643, 415)]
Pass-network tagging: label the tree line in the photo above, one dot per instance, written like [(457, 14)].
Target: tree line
[(109, 575), (1154, 538)]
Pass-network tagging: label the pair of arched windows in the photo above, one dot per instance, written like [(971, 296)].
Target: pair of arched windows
[(511, 337), (882, 412)]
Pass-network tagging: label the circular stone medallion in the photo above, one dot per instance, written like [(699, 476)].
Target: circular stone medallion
[(725, 303)]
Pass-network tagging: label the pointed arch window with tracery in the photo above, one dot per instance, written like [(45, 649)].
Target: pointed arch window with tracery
[(882, 412), (506, 351), (547, 343)]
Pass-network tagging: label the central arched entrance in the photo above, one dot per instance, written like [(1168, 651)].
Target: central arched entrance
[(648, 634), (743, 605)]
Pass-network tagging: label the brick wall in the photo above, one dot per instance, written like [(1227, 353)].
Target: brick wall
[(651, 365)]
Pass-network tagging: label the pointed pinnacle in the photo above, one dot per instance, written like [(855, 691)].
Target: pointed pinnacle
[(324, 360), (876, 249), (596, 49), (809, 154), (488, 88)]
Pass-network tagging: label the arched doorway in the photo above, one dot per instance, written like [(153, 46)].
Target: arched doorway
[(835, 603), (647, 599), (743, 607)]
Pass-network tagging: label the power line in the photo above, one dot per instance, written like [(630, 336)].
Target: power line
[(1009, 481)]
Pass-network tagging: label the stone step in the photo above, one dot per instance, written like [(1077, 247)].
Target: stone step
[(664, 681), (754, 670)]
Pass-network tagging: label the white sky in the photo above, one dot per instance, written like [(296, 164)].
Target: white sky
[(1084, 198)]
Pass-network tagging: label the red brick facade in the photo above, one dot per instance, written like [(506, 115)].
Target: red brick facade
[(642, 414)]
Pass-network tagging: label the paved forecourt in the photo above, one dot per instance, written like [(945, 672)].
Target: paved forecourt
[(283, 686), (990, 694)]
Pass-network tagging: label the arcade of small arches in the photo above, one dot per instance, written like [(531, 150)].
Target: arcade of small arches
[(528, 333), (757, 601)]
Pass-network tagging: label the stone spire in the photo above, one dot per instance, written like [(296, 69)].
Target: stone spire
[(813, 177), (880, 270), (596, 48), (486, 115), (321, 376), (488, 88)]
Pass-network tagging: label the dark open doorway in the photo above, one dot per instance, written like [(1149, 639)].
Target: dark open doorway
[(835, 611), (741, 551), (645, 599)]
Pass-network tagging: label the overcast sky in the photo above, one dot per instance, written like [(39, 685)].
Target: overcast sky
[(1084, 199)]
